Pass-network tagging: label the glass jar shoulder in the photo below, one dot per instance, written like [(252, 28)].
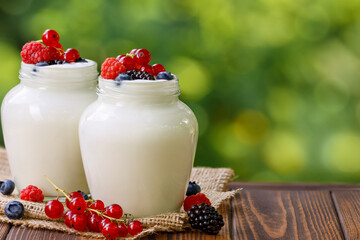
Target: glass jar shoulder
[(122, 114)]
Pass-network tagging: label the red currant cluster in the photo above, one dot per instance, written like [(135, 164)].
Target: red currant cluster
[(93, 215), (48, 51), (137, 59)]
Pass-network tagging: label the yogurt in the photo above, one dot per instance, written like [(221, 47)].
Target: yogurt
[(40, 124), (138, 143)]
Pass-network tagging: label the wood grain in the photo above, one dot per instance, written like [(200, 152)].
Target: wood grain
[(347, 204), (293, 186), (4, 229), (264, 214)]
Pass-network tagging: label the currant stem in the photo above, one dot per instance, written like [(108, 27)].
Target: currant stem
[(58, 189), (103, 215)]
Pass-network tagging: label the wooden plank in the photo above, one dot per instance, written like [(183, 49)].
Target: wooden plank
[(22, 233), (262, 214), (293, 186), (4, 229), (224, 234), (347, 204)]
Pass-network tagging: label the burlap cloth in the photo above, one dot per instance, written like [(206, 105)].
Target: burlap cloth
[(213, 182)]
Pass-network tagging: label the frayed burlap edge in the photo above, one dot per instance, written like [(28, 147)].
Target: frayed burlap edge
[(213, 182)]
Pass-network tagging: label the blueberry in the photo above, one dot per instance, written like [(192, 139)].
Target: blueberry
[(193, 189), (86, 197), (14, 210), (121, 77), (41, 64), (164, 75), (80, 60), (7, 187)]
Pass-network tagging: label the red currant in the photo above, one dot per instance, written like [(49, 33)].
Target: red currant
[(135, 227), (59, 47), (93, 222), (54, 209), (158, 68), (128, 62), (67, 218), (148, 69), (123, 230), (72, 196), (71, 54), (114, 211), (120, 56), (78, 205), (110, 231), (132, 52), (98, 205), (142, 57), (50, 38), (103, 223), (78, 221)]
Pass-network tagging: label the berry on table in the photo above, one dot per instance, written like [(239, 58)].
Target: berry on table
[(103, 223), (71, 54), (123, 230), (67, 218), (54, 209), (50, 38), (193, 189), (111, 68), (34, 52), (32, 193), (14, 210), (114, 211), (78, 221), (157, 68), (98, 205), (148, 69), (164, 75), (110, 231), (135, 227), (142, 57), (128, 62), (205, 218), (7, 187), (72, 196), (78, 205), (196, 199), (93, 222)]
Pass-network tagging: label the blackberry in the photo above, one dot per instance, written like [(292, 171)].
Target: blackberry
[(134, 74), (193, 189), (205, 218)]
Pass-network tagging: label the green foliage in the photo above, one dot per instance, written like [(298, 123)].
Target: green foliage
[(274, 84)]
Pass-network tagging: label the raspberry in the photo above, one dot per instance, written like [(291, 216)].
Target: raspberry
[(111, 67), (196, 199), (34, 52), (32, 193)]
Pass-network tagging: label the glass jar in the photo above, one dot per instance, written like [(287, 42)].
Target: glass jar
[(138, 143), (40, 119)]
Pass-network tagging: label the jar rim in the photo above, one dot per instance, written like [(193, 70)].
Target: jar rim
[(60, 73)]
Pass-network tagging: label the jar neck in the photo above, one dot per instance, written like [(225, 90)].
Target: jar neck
[(139, 91), (60, 76)]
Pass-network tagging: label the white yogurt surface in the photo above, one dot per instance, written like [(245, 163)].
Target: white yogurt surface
[(40, 124), (138, 144)]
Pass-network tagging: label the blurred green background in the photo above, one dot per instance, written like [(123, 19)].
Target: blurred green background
[(275, 85)]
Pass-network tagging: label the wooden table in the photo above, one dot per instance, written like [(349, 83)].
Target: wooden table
[(264, 211)]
